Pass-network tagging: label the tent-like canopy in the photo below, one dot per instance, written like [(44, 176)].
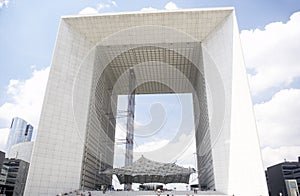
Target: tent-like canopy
[(145, 171)]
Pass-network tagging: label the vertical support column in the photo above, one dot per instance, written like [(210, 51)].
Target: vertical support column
[(130, 126)]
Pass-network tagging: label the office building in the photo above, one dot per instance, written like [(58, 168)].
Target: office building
[(2, 173), (2, 157), (194, 51), (14, 175), (20, 131), (279, 173)]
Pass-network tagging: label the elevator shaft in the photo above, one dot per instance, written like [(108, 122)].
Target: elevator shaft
[(130, 125)]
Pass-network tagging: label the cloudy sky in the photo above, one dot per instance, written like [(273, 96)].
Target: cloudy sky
[(270, 35)]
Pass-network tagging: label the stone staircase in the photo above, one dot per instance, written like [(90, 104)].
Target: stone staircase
[(152, 193)]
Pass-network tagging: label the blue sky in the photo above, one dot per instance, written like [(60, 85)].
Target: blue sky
[(270, 38), (28, 28)]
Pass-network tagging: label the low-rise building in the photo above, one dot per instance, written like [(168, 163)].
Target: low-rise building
[(13, 177), (279, 173)]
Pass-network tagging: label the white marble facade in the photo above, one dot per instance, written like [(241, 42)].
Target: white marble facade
[(211, 67)]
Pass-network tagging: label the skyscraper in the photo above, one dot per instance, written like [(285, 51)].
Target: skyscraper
[(20, 131)]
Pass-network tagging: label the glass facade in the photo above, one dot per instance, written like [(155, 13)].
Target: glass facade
[(20, 131)]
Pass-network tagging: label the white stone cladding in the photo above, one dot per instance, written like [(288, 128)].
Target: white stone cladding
[(198, 47)]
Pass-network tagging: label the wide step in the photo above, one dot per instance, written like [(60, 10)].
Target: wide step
[(152, 193)]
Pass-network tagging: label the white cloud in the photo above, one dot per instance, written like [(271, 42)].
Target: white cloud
[(272, 58), (151, 146), (274, 156), (148, 9), (101, 6), (26, 101), (171, 6), (278, 126), (113, 3), (272, 54), (3, 3), (278, 119), (108, 4), (88, 10)]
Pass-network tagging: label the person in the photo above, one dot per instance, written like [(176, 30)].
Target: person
[(158, 191), (89, 194)]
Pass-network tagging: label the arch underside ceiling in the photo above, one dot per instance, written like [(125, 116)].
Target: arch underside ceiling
[(197, 24), (163, 68)]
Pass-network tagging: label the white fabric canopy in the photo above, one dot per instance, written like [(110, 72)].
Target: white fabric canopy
[(145, 171)]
